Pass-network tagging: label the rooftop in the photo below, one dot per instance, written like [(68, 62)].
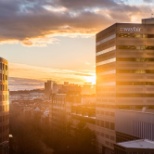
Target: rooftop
[(138, 144), (148, 21)]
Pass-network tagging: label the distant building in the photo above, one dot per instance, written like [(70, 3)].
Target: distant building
[(69, 107), (50, 87), (88, 89), (47, 87), (58, 116), (69, 88), (61, 105), (125, 75), (4, 106)]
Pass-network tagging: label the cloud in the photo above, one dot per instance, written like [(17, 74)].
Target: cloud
[(46, 73), (78, 5), (37, 22)]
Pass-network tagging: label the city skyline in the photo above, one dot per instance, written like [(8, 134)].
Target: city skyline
[(56, 39)]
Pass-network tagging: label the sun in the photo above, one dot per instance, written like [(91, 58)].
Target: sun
[(91, 79)]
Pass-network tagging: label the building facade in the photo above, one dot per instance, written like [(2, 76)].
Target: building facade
[(137, 124), (125, 75), (4, 106)]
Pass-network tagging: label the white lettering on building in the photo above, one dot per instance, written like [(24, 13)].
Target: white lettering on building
[(131, 29)]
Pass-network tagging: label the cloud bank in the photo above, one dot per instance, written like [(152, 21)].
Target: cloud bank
[(33, 21)]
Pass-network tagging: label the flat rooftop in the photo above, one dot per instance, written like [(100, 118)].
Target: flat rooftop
[(148, 21), (138, 144)]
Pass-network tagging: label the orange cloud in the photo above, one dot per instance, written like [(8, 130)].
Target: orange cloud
[(44, 73)]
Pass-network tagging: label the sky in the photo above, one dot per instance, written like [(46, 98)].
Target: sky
[(55, 39)]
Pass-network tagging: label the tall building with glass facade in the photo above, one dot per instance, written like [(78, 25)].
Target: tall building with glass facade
[(125, 75), (4, 106)]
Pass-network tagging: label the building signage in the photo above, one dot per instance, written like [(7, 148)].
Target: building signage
[(130, 29)]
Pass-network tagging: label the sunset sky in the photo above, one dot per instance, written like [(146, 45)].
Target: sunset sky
[(55, 39)]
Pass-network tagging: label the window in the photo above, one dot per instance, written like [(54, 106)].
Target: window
[(148, 36), (133, 47), (0, 76), (106, 124), (136, 59), (112, 126), (134, 95), (131, 35), (0, 66), (135, 83), (136, 71)]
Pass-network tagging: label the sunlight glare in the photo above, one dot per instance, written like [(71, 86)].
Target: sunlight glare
[(91, 79)]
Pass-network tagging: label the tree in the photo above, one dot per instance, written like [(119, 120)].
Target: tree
[(84, 140), (81, 141)]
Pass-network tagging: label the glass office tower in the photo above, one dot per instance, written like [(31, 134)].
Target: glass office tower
[(125, 75)]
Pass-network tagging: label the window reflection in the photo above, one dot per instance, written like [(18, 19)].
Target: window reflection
[(136, 71), (133, 47), (133, 35)]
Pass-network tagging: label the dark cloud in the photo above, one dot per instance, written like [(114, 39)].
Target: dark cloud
[(122, 14), (148, 1), (25, 20), (75, 4)]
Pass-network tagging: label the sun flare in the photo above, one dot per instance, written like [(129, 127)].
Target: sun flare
[(91, 79)]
